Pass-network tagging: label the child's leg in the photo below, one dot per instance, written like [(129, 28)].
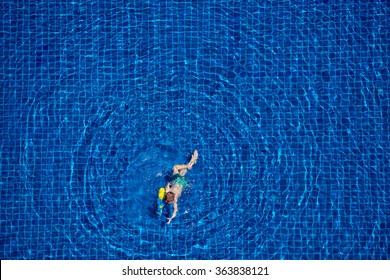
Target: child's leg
[(183, 168), (178, 167), (194, 158)]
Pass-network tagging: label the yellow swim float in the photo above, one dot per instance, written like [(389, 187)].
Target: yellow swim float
[(160, 201)]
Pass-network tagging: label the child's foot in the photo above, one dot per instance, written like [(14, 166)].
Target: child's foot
[(193, 159)]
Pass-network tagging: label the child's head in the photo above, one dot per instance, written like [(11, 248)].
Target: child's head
[(169, 197)]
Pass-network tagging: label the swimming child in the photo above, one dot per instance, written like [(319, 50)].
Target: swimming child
[(174, 188)]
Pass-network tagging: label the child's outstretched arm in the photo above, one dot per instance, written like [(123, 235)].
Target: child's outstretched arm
[(175, 209)]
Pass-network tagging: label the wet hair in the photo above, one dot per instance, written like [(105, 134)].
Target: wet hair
[(169, 197)]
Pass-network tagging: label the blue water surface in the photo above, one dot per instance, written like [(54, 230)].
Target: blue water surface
[(287, 103)]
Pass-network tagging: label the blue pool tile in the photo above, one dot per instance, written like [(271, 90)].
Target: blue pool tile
[(286, 102)]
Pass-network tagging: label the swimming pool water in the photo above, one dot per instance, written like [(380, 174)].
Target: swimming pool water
[(286, 101)]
